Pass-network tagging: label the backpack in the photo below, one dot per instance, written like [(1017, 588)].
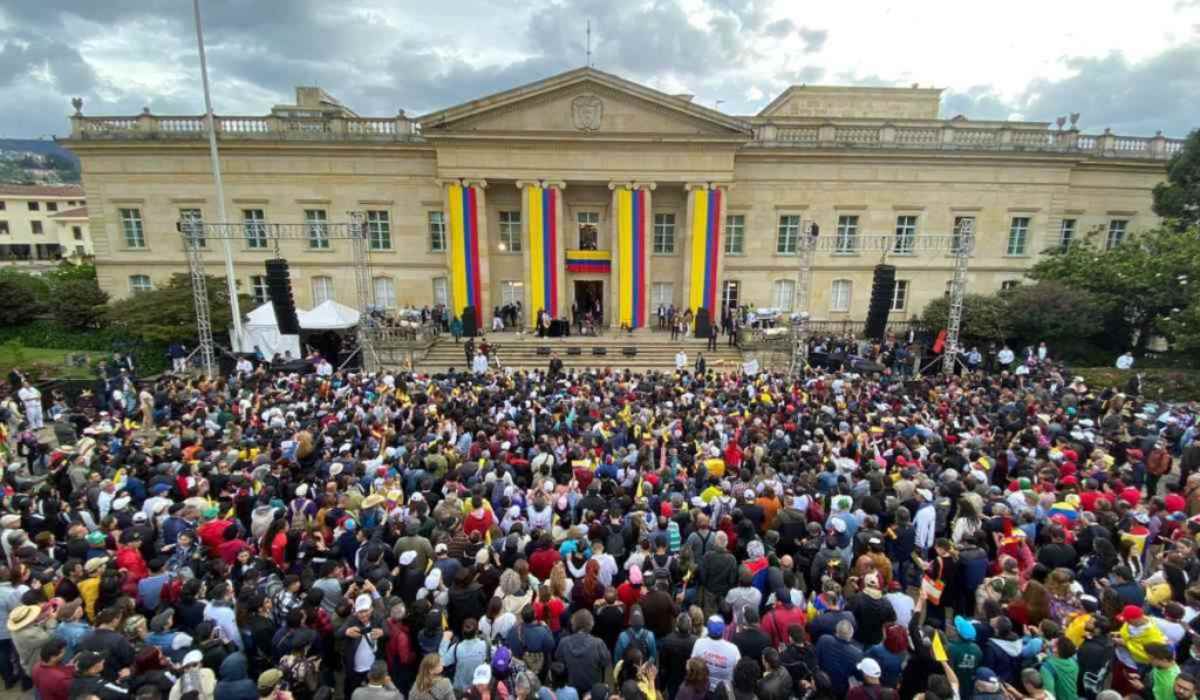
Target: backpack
[(637, 640), (614, 544), (534, 660), (662, 570)]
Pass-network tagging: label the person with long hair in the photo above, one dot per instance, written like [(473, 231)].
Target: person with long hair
[(274, 543), (589, 590), (1032, 607), (695, 681), (430, 684)]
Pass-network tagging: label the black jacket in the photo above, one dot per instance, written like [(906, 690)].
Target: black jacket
[(775, 685)]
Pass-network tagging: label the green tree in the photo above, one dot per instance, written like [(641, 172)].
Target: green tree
[(984, 317), (1140, 282), (78, 303), (1178, 199), (1053, 312), (18, 302), (36, 290), (166, 313)]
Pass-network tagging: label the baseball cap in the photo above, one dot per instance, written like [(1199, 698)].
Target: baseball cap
[(870, 668), (983, 674), (269, 679), (193, 657), (483, 675), (87, 659), (1131, 613), (361, 603), (716, 626)]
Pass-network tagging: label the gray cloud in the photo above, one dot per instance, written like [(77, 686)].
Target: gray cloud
[(814, 39), (978, 102), (780, 28)]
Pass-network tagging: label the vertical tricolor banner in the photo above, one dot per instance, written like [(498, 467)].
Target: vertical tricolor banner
[(706, 249), (464, 250), (542, 205), (631, 257)]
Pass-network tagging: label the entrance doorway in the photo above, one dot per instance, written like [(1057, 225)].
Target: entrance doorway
[(589, 299)]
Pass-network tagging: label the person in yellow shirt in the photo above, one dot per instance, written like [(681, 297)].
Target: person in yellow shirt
[(89, 587), (714, 464)]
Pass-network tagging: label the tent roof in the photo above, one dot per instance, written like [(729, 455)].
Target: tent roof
[(328, 315), (262, 316)]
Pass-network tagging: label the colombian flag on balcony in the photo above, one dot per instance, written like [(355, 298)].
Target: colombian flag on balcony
[(595, 261), (706, 247), (464, 250), (542, 205)]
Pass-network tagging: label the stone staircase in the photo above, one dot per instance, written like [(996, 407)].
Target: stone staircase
[(655, 351)]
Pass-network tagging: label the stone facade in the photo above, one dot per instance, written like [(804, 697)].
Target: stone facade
[(857, 162)]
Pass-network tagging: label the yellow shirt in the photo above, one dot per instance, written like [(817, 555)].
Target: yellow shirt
[(715, 467)]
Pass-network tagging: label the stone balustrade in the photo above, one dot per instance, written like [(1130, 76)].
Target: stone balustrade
[(948, 136)]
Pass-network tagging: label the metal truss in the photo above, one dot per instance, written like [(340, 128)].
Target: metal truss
[(192, 242)]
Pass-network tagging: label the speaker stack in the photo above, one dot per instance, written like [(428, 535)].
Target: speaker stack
[(470, 328), (279, 290), (703, 323), (882, 289)]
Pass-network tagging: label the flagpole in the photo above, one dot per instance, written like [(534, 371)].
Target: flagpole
[(235, 338)]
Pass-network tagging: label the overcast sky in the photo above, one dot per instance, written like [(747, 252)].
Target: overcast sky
[(1132, 67)]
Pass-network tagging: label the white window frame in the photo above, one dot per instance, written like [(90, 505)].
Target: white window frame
[(836, 303), (441, 291), (508, 237), (664, 233), (192, 220), (900, 292), (386, 299), (1066, 233), (846, 242), (437, 231), (133, 228), (1018, 236), (787, 242), (587, 218), (906, 234), (1009, 284), (783, 295), (1118, 228), (379, 229), (322, 289), (140, 283), (735, 234), (512, 292), (259, 290), (661, 294), (254, 224), (726, 297), (316, 224)]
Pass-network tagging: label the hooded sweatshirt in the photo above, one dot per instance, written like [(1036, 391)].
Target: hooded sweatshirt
[(234, 684), (1004, 657), (586, 658), (1060, 677)]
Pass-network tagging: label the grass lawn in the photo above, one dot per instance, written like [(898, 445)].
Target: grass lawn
[(30, 360)]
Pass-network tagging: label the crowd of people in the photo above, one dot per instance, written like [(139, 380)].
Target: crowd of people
[(571, 535)]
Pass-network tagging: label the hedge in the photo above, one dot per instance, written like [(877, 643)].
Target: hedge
[(1157, 384), (150, 356)]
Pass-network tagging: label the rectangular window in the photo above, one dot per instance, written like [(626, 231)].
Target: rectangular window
[(192, 224), (139, 283), (379, 230), (735, 234), (258, 289), (51, 206), (963, 226), (77, 232), (511, 292), (847, 235), (589, 229), (1018, 235), (385, 292), (906, 234), (4, 228), (36, 226), (1009, 284), (1066, 233), (661, 294), (730, 294), (510, 231), (900, 295), (785, 294), (1116, 233), (664, 234), (437, 232), (441, 291), (79, 250), (3, 206), (788, 241), (839, 297), (317, 229), (131, 226), (322, 289), (254, 224), (34, 206)]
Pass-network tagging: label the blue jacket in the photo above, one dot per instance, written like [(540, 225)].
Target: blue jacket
[(839, 659), (232, 681)]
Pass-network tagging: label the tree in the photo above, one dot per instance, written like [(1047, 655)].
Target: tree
[(166, 313), (19, 304), (1140, 281), (984, 317), (1053, 312), (78, 303), (1178, 199)]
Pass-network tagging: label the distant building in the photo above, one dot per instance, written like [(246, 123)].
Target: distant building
[(42, 225)]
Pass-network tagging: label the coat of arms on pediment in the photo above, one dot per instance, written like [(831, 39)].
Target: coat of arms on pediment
[(586, 111)]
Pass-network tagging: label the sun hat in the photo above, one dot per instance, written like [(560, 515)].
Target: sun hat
[(23, 616)]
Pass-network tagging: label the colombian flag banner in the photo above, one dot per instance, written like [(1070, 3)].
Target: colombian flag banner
[(464, 251), (631, 262), (706, 247), (596, 261), (542, 205)]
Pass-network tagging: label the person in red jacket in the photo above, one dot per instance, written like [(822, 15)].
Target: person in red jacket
[(544, 557), (129, 557), (401, 654), (480, 519), (212, 530), (232, 546), (51, 676), (781, 617)]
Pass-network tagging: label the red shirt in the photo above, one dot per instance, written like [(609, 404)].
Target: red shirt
[(53, 682), (130, 560), (542, 561), (629, 594), (228, 551), (212, 534), (550, 613), (478, 523)]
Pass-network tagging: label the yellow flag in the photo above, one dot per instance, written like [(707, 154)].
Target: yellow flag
[(487, 537), (638, 493), (939, 651), (445, 622)]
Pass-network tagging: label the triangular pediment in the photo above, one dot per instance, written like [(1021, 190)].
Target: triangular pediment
[(583, 102)]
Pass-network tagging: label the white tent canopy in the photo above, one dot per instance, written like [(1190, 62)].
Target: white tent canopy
[(328, 315), (262, 330)]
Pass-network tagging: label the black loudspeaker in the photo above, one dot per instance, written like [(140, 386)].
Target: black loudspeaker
[(599, 351), (468, 321), (882, 289), (279, 291), (574, 350), (543, 350), (703, 323), (629, 352)]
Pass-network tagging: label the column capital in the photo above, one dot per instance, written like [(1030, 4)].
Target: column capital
[(475, 182), (690, 186), (707, 186), (447, 181), (614, 184), (644, 186), (557, 184), (721, 185), (522, 184)]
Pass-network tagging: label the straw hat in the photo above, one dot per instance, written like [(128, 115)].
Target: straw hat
[(23, 616)]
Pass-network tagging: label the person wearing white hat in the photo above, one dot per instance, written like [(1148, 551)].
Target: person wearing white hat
[(364, 635), (925, 520), (869, 690)]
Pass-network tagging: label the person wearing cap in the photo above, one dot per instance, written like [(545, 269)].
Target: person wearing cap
[(30, 629), (987, 684), (1137, 630), (269, 683), (72, 627), (364, 633), (965, 655), (113, 644), (871, 611), (870, 688), (719, 655), (89, 680), (924, 521)]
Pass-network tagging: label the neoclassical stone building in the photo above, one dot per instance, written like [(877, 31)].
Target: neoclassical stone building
[(586, 188)]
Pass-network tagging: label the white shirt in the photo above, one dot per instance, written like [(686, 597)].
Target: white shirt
[(720, 656), (244, 366), (903, 604), (1005, 356), (1125, 361), (924, 522), (480, 364), (680, 360), (30, 397), (324, 369)]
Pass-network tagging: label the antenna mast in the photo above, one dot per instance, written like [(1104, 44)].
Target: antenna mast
[(589, 43)]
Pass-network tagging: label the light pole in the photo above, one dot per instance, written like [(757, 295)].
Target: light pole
[(235, 338)]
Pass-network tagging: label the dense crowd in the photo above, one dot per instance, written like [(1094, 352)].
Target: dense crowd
[(575, 535)]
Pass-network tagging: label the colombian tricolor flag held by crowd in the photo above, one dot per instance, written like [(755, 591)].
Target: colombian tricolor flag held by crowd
[(706, 247), (543, 205), (464, 250), (631, 249)]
